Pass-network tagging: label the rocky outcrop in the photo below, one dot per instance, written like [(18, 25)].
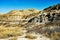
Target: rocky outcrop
[(54, 7)]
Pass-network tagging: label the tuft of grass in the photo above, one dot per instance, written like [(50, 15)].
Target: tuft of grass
[(30, 36), (13, 38)]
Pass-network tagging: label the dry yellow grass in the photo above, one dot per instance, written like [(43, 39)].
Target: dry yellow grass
[(30, 36), (55, 36), (13, 38), (10, 31)]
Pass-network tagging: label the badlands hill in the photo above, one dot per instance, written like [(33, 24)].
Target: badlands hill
[(45, 22), (24, 14), (18, 16)]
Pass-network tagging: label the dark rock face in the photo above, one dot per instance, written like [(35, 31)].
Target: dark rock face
[(31, 19), (43, 18), (55, 7)]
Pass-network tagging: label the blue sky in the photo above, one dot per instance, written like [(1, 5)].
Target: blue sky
[(7, 5)]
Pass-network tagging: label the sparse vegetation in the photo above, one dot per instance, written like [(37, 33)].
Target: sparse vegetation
[(10, 31), (13, 38), (30, 36), (55, 36), (15, 22)]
